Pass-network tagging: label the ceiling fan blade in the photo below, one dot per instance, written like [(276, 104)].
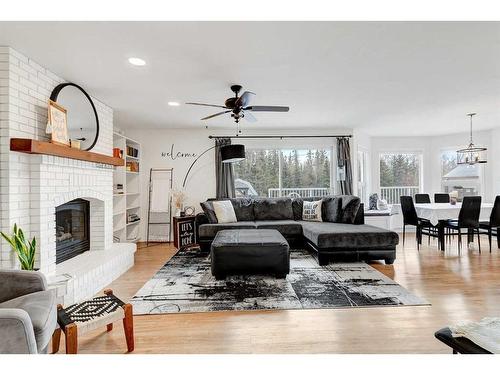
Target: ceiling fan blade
[(215, 115), (249, 117), (267, 108), (208, 105), (244, 99)]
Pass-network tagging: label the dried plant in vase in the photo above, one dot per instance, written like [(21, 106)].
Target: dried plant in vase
[(179, 199)]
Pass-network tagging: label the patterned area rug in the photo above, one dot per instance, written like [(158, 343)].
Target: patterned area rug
[(185, 285)]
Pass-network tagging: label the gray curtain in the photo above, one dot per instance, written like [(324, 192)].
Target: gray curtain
[(344, 161), (224, 177)]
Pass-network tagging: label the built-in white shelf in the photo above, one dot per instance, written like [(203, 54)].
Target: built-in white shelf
[(126, 232)]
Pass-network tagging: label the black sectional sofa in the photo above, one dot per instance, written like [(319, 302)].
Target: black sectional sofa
[(342, 236)]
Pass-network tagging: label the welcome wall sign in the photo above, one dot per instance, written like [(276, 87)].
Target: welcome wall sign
[(172, 154)]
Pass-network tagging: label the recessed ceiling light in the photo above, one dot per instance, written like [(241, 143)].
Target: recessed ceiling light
[(136, 61), (174, 104)]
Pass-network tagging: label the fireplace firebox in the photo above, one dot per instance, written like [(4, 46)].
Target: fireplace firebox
[(72, 229)]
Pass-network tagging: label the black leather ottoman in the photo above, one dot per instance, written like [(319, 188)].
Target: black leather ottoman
[(249, 251), (459, 344)]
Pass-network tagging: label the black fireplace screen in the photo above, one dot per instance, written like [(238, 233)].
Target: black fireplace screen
[(72, 229)]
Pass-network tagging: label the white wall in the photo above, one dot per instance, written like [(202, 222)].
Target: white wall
[(25, 185), (494, 157), (201, 182)]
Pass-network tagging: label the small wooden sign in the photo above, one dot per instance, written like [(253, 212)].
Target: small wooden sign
[(58, 123), (184, 231)]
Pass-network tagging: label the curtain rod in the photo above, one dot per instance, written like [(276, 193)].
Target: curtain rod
[(278, 136)]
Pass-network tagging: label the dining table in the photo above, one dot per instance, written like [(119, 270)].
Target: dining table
[(438, 213)]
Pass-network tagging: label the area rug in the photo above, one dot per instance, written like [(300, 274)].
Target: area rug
[(185, 285)]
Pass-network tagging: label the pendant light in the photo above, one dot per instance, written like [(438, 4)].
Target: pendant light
[(472, 154)]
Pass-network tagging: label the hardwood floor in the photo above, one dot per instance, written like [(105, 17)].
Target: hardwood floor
[(458, 287)]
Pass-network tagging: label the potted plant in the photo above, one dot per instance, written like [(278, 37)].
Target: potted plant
[(24, 249)]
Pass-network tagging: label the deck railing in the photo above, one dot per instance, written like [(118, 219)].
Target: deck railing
[(298, 192), (391, 194)]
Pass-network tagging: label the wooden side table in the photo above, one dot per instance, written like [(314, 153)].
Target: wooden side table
[(184, 231)]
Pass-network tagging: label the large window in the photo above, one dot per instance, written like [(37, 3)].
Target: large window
[(464, 179), (400, 174), (286, 172)]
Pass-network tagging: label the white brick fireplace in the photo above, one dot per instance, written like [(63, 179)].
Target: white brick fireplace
[(32, 186)]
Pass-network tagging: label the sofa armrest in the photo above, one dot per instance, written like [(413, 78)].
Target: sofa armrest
[(200, 219), (16, 283), (360, 215), (16, 330)]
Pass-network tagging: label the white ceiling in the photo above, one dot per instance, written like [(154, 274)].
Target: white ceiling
[(384, 78)]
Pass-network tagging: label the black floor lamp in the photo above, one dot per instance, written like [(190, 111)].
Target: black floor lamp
[(229, 154)]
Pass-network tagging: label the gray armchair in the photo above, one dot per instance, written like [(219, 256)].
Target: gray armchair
[(28, 312)]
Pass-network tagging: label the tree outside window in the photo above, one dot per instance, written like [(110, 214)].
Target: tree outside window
[(287, 172)]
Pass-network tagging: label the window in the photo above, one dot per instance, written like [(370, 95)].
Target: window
[(400, 174), (282, 173), (464, 179)]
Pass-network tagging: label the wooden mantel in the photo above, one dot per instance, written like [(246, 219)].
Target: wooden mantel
[(31, 146)]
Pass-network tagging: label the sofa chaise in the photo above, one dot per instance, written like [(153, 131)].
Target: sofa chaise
[(342, 235)]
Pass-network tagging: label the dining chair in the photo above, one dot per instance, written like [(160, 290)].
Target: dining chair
[(422, 198), (410, 217), (493, 225), (468, 218), (441, 198)]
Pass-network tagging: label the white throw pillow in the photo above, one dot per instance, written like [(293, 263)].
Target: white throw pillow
[(224, 211), (311, 211), (382, 205)]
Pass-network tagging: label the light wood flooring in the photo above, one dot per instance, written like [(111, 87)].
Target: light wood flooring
[(458, 287)]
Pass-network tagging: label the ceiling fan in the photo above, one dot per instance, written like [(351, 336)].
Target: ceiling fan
[(239, 106)]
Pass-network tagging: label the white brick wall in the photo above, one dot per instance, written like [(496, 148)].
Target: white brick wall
[(33, 185)]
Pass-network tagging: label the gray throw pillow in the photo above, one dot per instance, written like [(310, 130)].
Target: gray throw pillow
[(332, 209), (350, 207), (208, 209), (243, 208), (297, 205)]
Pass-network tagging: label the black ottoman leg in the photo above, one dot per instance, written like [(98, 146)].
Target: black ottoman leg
[(323, 259), (389, 260)]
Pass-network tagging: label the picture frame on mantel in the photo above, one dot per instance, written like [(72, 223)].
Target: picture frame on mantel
[(57, 124)]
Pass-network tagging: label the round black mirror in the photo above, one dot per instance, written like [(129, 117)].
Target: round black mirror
[(83, 122)]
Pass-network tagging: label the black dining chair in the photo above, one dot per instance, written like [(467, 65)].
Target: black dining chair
[(441, 198), (422, 198), (493, 225), (468, 218), (410, 217)]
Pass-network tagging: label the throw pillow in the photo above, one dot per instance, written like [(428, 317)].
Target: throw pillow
[(208, 209), (243, 208), (372, 201), (297, 206), (350, 207), (224, 211), (311, 211), (382, 205), (332, 209)]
